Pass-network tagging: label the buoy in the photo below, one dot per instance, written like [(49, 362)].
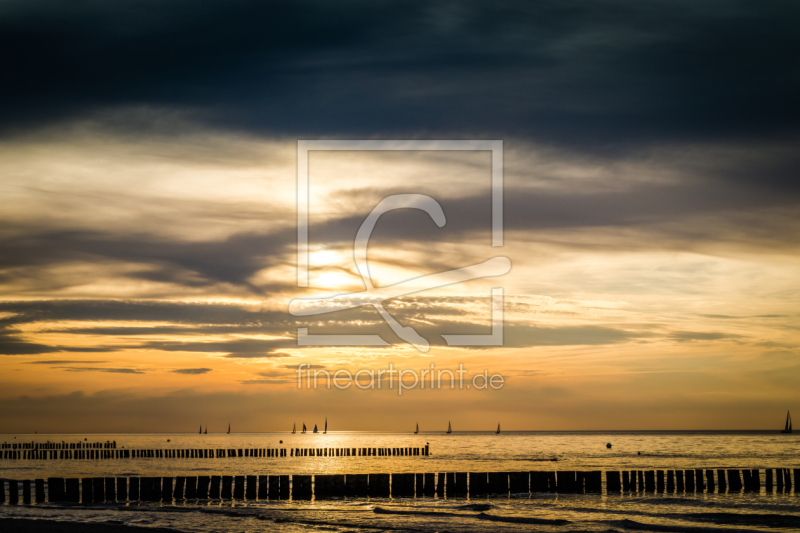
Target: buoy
[(608, 445), (281, 442)]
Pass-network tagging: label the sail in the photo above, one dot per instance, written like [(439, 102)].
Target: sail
[(201, 430), (229, 428), (315, 429), (449, 427), (416, 430), (326, 425), (304, 427), (498, 429), (294, 428)]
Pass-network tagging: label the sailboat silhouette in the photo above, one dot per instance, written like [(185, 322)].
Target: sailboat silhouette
[(498, 429), (788, 428), (315, 429), (201, 430), (416, 430), (326, 426), (304, 428), (206, 431), (229, 428), (294, 428), (449, 428)]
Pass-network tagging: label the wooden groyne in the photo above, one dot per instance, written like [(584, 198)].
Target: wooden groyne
[(38, 453), (384, 485)]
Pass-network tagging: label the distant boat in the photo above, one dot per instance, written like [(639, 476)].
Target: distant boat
[(206, 431), (304, 428), (788, 428), (294, 428), (416, 430), (201, 430), (229, 428), (326, 426), (449, 428), (498, 429), (315, 429)]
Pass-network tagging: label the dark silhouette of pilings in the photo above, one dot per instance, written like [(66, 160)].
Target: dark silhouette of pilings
[(97, 490)]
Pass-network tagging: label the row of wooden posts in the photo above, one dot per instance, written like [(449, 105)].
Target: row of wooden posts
[(214, 453), (441, 484), (80, 445)]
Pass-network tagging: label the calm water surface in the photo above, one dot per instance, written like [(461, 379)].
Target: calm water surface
[(476, 452)]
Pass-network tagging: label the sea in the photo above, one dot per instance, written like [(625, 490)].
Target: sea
[(457, 452)]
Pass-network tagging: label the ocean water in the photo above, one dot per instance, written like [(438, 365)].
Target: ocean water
[(458, 452)]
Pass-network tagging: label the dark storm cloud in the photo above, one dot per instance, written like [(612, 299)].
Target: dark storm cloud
[(588, 73), (230, 260)]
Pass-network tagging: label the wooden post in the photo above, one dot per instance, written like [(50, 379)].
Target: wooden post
[(640, 476), (787, 477), (478, 485), (191, 488), (323, 485), (263, 487), (26, 491), (551, 481), (538, 481), (402, 485), (238, 488), (778, 479), (285, 487), (613, 484), (626, 482), (768, 480), (274, 487), (755, 476), (670, 481), (338, 487), (301, 487), (227, 486), (689, 480), (698, 479), (55, 489), (734, 481), (39, 492), (430, 484), (746, 479), (214, 493), (134, 489), (13, 492), (362, 485), (660, 481), (122, 489), (710, 480), (565, 481), (520, 482), (461, 484), (498, 484), (721, 481), (180, 483), (420, 484), (111, 485), (166, 489), (649, 481), (440, 482), (379, 485), (98, 489), (86, 485), (251, 488)]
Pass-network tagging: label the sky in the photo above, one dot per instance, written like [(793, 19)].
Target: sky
[(148, 224)]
